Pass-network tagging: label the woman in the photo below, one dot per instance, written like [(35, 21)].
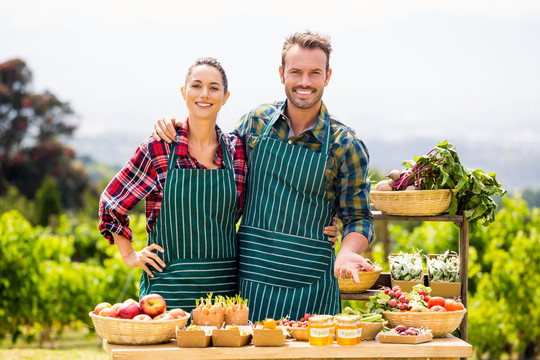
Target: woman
[(194, 194)]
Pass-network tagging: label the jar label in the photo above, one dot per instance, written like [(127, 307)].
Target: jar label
[(319, 332), (347, 333)]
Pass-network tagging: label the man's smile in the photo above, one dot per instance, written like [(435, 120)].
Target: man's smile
[(304, 91)]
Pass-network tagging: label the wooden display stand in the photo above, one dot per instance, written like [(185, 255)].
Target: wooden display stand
[(445, 348), (384, 279)]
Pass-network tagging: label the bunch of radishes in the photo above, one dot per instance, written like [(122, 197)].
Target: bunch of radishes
[(401, 300)]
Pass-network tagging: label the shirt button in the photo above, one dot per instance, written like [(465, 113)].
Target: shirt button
[(290, 142)]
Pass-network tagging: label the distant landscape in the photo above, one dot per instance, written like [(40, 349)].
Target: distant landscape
[(517, 164)]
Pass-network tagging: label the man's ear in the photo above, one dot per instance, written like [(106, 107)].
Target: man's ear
[(328, 75), (281, 75)]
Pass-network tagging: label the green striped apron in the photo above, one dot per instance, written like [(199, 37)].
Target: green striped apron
[(286, 263), (196, 228)]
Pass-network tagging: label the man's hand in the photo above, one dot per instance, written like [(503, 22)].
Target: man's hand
[(164, 129), (348, 261)]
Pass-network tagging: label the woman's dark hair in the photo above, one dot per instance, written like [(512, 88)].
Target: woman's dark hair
[(210, 61)]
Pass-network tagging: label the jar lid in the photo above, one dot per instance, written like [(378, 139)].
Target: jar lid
[(350, 319), (320, 319)]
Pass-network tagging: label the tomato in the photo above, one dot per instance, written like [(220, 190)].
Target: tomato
[(437, 308), (453, 305), (269, 324), (436, 300)]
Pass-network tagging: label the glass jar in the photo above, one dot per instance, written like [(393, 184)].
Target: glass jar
[(319, 329), (358, 329), (346, 330)]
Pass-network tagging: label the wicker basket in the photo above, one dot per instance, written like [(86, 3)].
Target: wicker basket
[(298, 333), (440, 323), (367, 279), (371, 329), (139, 332), (412, 203)]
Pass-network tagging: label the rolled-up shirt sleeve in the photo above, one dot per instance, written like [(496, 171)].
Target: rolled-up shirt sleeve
[(133, 183), (352, 190)]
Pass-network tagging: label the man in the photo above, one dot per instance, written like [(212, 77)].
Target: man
[(305, 167)]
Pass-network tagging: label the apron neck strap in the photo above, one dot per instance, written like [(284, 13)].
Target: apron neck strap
[(226, 156), (325, 145)]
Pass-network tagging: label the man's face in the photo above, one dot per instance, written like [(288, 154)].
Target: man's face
[(304, 76)]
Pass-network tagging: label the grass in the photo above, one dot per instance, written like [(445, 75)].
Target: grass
[(73, 344)]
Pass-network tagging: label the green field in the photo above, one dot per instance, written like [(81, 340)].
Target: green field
[(74, 344)]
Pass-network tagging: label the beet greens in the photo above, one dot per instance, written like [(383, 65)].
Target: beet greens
[(442, 169)]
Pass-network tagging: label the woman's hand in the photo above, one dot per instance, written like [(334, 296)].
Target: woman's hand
[(333, 232), (145, 257), (141, 258), (164, 129)]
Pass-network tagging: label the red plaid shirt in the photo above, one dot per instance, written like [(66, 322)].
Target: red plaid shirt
[(144, 177)]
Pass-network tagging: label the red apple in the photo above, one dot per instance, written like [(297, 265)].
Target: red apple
[(100, 307), (153, 304), (177, 313), (161, 316), (116, 306), (168, 316), (108, 312), (129, 301), (129, 310), (142, 317)]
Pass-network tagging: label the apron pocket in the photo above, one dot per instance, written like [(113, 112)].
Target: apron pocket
[(282, 259), (185, 280)]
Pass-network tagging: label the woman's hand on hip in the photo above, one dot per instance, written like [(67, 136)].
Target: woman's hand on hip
[(145, 258), (164, 129)]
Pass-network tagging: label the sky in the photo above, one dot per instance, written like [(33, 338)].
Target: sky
[(458, 70)]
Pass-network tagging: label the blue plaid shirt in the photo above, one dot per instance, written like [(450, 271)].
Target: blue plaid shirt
[(346, 167)]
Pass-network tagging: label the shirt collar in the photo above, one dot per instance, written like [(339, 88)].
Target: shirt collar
[(182, 142), (318, 129)]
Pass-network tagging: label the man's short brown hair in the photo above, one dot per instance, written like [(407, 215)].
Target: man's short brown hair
[(307, 40)]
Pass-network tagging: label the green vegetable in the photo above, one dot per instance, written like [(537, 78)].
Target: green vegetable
[(366, 316), (442, 169), (444, 267), (406, 267)]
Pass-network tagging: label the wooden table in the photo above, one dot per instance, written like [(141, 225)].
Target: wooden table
[(448, 347)]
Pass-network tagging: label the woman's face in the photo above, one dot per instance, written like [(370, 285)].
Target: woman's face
[(203, 92)]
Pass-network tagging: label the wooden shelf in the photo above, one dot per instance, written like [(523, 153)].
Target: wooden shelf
[(463, 224), (457, 219)]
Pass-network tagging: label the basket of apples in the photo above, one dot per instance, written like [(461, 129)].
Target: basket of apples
[(417, 309), (144, 322)]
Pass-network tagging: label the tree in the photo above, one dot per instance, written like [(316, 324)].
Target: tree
[(30, 124), (48, 201)]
